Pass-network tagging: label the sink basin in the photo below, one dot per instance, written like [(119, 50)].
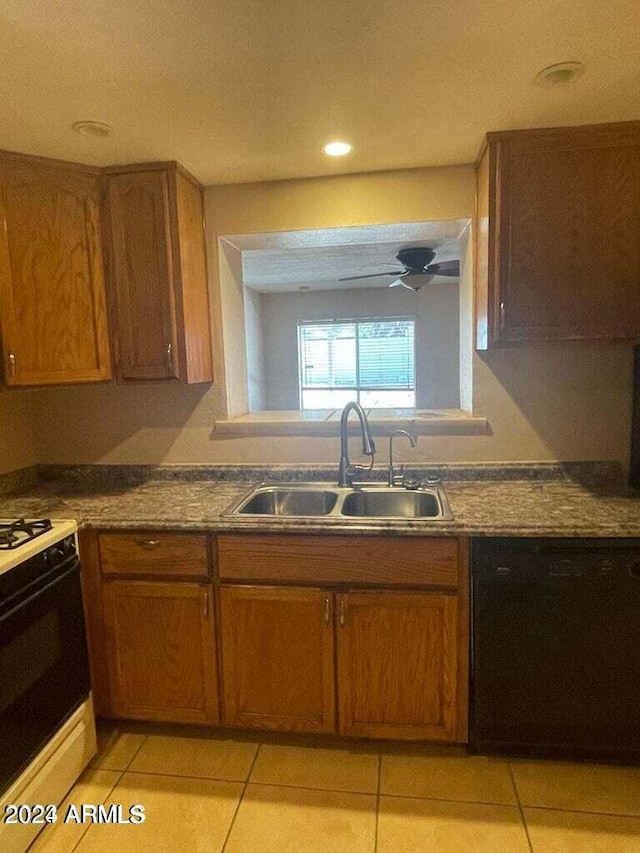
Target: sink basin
[(326, 500), (392, 503), (289, 502)]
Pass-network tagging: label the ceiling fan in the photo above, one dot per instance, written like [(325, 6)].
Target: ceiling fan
[(417, 268)]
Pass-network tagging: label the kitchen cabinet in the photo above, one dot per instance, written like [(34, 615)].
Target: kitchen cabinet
[(160, 651), (277, 648), (401, 659), (157, 272), (366, 635), (151, 625), (52, 292), (397, 660), (558, 235)]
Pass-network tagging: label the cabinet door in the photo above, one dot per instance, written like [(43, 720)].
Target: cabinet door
[(161, 651), (142, 275), (398, 665), (277, 658), (52, 302), (563, 253)]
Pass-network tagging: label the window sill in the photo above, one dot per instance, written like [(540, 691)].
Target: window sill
[(326, 422)]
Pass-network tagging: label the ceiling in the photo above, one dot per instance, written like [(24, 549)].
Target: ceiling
[(245, 90), (316, 259)]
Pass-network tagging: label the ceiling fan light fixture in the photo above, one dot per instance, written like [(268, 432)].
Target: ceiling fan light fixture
[(337, 148), (560, 73)]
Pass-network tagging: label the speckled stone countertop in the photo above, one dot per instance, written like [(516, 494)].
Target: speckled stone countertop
[(536, 500)]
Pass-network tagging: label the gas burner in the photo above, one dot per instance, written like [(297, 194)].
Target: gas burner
[(7, 537), (13, 534)]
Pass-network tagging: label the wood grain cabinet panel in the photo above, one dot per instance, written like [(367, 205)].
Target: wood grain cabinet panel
[(414, 561), (154, 553), (160, 651), (558, 235), (397, 659), (277, 658), (52, 294), (155, 219)]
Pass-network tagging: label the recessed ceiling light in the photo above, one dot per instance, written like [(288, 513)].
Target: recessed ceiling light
[(561, 72), (337, 149), (91, 128)]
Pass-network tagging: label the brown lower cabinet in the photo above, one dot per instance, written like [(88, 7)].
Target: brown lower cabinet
[(160, 651), (377, 647), (397, 664), (277, 658)]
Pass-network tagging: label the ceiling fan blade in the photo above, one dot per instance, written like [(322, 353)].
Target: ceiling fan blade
[(398, 283), (371, 275), (445, 268)]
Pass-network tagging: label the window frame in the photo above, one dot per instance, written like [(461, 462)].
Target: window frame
[(357, 389)]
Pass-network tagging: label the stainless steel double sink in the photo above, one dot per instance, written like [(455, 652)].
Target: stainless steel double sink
[(326, 500)]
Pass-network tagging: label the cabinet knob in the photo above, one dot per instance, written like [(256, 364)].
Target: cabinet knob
[(327, 610), (342, 613), (205, 603), (12, 364), (503, 316), (170, 357)]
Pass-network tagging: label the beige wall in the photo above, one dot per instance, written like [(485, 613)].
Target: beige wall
[(562, 402), (436, 336), (17, 446)]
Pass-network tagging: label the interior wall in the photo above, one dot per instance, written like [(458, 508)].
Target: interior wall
[(17, 443), (436, 336), (253, 324), (564, 402)]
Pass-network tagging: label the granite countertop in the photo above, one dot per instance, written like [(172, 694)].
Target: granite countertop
[(484, 500)]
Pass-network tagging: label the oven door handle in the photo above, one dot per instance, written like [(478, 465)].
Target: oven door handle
[(70, 568)]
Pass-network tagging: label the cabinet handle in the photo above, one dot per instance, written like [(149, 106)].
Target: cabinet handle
[(148, 543), (169, 357), (12, 364), (342, 613), (503, 316), (327, 610), (205, 604)]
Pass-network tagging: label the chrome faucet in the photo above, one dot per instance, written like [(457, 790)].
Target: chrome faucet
[(346, 470), (397, 479)]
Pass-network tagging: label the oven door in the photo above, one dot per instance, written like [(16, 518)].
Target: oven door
[(44, 667)]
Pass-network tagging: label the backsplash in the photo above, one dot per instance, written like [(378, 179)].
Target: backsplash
[(114, 476)]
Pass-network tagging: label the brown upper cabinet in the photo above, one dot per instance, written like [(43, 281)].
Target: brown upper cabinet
[(52, 297), (558, 235), (158, 278)]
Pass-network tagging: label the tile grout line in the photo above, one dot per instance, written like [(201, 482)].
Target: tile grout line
[(520, 808), (625, 815), (375, 837), (112, 789), (461, 802), (235, 814)]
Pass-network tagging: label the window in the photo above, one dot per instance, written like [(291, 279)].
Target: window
[(371, 361)]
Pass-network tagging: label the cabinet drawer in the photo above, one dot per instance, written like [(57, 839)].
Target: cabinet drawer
[(419, 561), (149, 552)]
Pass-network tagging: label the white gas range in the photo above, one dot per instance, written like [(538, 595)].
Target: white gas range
[(47, 728), (21, 539)]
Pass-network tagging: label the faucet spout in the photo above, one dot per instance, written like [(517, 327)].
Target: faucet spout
[(346, 470), (393, 479)]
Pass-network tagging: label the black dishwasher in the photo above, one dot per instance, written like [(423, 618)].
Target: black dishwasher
[(556, 647)]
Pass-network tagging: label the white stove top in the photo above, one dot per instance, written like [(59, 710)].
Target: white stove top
[(12, 557)]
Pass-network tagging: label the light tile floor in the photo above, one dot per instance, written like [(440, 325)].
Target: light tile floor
[(208, 792)]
